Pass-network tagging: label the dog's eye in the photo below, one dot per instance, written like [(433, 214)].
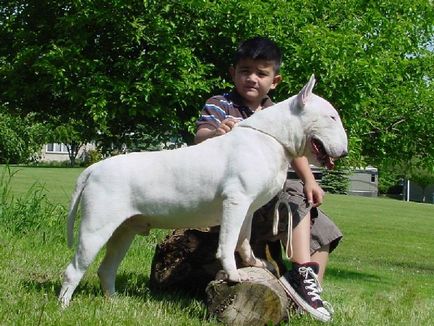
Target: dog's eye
[(333, 117)]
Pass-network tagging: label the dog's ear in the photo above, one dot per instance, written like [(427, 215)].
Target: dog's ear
[(305, 92)]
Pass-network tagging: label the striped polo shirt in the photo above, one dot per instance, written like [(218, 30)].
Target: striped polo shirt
[(228, 105)]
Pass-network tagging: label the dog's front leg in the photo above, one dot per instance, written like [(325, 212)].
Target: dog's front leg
[(234, 212)]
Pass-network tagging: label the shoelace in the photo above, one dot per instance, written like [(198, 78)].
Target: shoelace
[(311, 278), (282, 200), (314, 287)]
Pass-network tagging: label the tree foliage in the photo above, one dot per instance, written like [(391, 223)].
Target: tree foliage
[(21, 139), (125, 69)]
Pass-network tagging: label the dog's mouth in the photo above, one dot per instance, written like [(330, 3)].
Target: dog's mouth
[(321, 155)]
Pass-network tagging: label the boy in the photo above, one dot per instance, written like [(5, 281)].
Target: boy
[(255, 72)]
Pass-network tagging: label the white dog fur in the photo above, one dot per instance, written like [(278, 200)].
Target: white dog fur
[(220, 181)]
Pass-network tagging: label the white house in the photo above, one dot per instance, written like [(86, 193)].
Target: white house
[(55, 152)]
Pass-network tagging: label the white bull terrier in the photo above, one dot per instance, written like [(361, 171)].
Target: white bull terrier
[(220, 181)]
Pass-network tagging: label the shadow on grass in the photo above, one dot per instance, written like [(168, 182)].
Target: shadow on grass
[(53, 287), (339, 273), (128, 284), (414, 267), (138, 285)]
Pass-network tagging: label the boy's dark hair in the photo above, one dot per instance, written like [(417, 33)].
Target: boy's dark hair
[(259, 48)]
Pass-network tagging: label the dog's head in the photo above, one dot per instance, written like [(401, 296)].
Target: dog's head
[(326, 139)]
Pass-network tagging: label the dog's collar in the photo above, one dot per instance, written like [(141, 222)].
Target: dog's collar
[(287, 151)]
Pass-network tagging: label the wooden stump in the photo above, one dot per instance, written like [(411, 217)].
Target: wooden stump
[(185, 261), (257, 302)]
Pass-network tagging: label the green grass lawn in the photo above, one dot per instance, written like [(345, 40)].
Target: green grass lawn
[(381, 274), (58, 182)]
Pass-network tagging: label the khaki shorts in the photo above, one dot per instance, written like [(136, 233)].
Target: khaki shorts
[(323, 231)]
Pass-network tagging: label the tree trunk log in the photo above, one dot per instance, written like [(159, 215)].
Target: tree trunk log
[(185, 261), (256, 302)]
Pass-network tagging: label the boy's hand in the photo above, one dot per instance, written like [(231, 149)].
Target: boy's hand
[(314, 193), (226, 126), (312, 190), (204, 133)]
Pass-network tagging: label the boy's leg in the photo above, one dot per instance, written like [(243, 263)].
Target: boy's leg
[(301, 247), (301, 282), (325, 237), (321, 257), (324, 234), (301, 242)]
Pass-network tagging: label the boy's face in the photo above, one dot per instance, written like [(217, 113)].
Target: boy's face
[(253, 79)]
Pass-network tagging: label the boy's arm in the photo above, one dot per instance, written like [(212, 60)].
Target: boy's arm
[(313, 192)]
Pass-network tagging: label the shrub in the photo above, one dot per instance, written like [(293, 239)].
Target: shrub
[(21, 140), (92, 156)]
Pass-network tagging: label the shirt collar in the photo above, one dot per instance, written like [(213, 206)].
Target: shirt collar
[(238, 101)]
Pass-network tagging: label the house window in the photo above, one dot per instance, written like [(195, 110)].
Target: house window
[(372, 177), (56, 148)]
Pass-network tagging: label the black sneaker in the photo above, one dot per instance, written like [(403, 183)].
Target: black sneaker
[(301, 284)]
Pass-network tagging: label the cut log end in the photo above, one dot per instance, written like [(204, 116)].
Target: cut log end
[(260, 301)]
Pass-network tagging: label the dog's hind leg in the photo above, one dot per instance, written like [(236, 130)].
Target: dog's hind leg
[(234, 212), (244, 248), (88, 247), (116, 249)]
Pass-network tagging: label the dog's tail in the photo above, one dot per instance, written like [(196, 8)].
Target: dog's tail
[(79, 187)]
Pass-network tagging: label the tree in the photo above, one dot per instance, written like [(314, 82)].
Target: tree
[(66, 133), (110, 65), (120, 66), (335, 181)]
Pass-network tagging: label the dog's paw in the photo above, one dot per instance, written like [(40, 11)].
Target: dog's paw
[(64, 302), (243, 276), (236, 276)]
